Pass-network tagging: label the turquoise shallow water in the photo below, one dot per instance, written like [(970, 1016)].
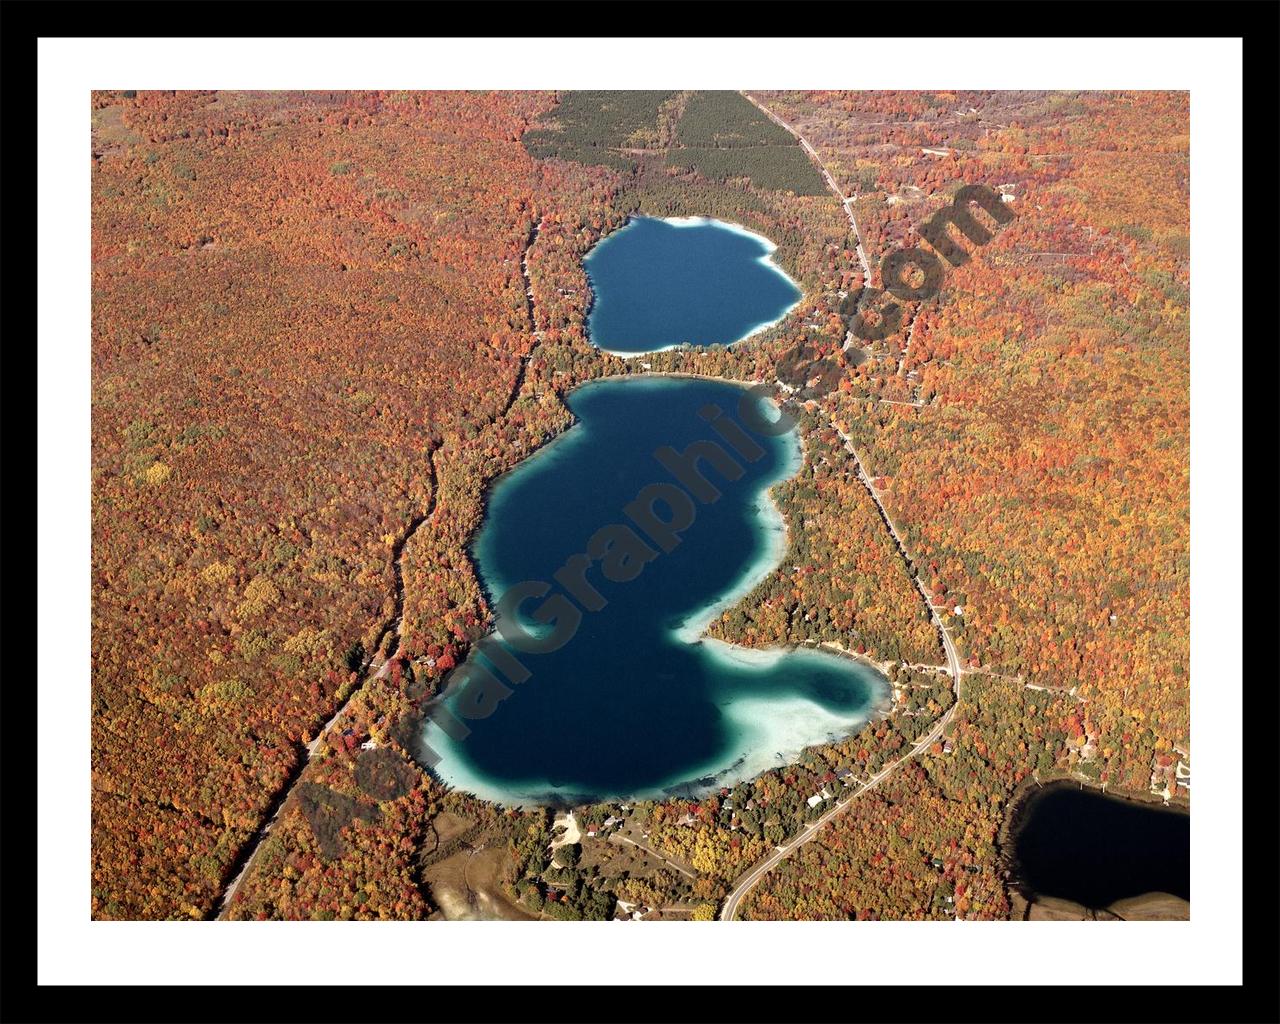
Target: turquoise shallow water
[(633, 704), (658, 283)]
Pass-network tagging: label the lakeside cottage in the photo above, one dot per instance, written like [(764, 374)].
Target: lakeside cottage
[(817, 798)]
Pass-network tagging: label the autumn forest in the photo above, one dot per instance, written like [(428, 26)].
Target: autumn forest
[(325, 323)]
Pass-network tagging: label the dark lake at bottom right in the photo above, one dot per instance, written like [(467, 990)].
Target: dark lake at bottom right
[(1094, 849)]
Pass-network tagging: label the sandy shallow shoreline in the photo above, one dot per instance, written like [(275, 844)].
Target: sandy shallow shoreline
[(1150, 906), (772, 527)]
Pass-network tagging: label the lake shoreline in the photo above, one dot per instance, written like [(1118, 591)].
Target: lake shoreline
[(1024, 898), (555, 438), (765, 259), (773, 524), (1030, 786)]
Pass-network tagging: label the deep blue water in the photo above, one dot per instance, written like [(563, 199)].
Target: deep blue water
[(629, 706), (657, 284), (1081, 845)]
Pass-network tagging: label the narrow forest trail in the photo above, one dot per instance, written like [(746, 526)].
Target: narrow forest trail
[(954, 669), (652, 852), (393, 626)]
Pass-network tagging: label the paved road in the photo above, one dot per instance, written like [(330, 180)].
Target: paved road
[(846, 202), (748, 881), (954, 669)]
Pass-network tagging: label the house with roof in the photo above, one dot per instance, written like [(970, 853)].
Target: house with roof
[(818, 797)]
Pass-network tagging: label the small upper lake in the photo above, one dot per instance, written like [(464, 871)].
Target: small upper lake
[(1082, 845), (660, 283), (635, 704)]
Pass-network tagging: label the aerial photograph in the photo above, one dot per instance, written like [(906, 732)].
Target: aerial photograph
[(640, 506)]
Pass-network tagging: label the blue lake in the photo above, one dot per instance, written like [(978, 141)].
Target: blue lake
[(633, 703), (660, 283)]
